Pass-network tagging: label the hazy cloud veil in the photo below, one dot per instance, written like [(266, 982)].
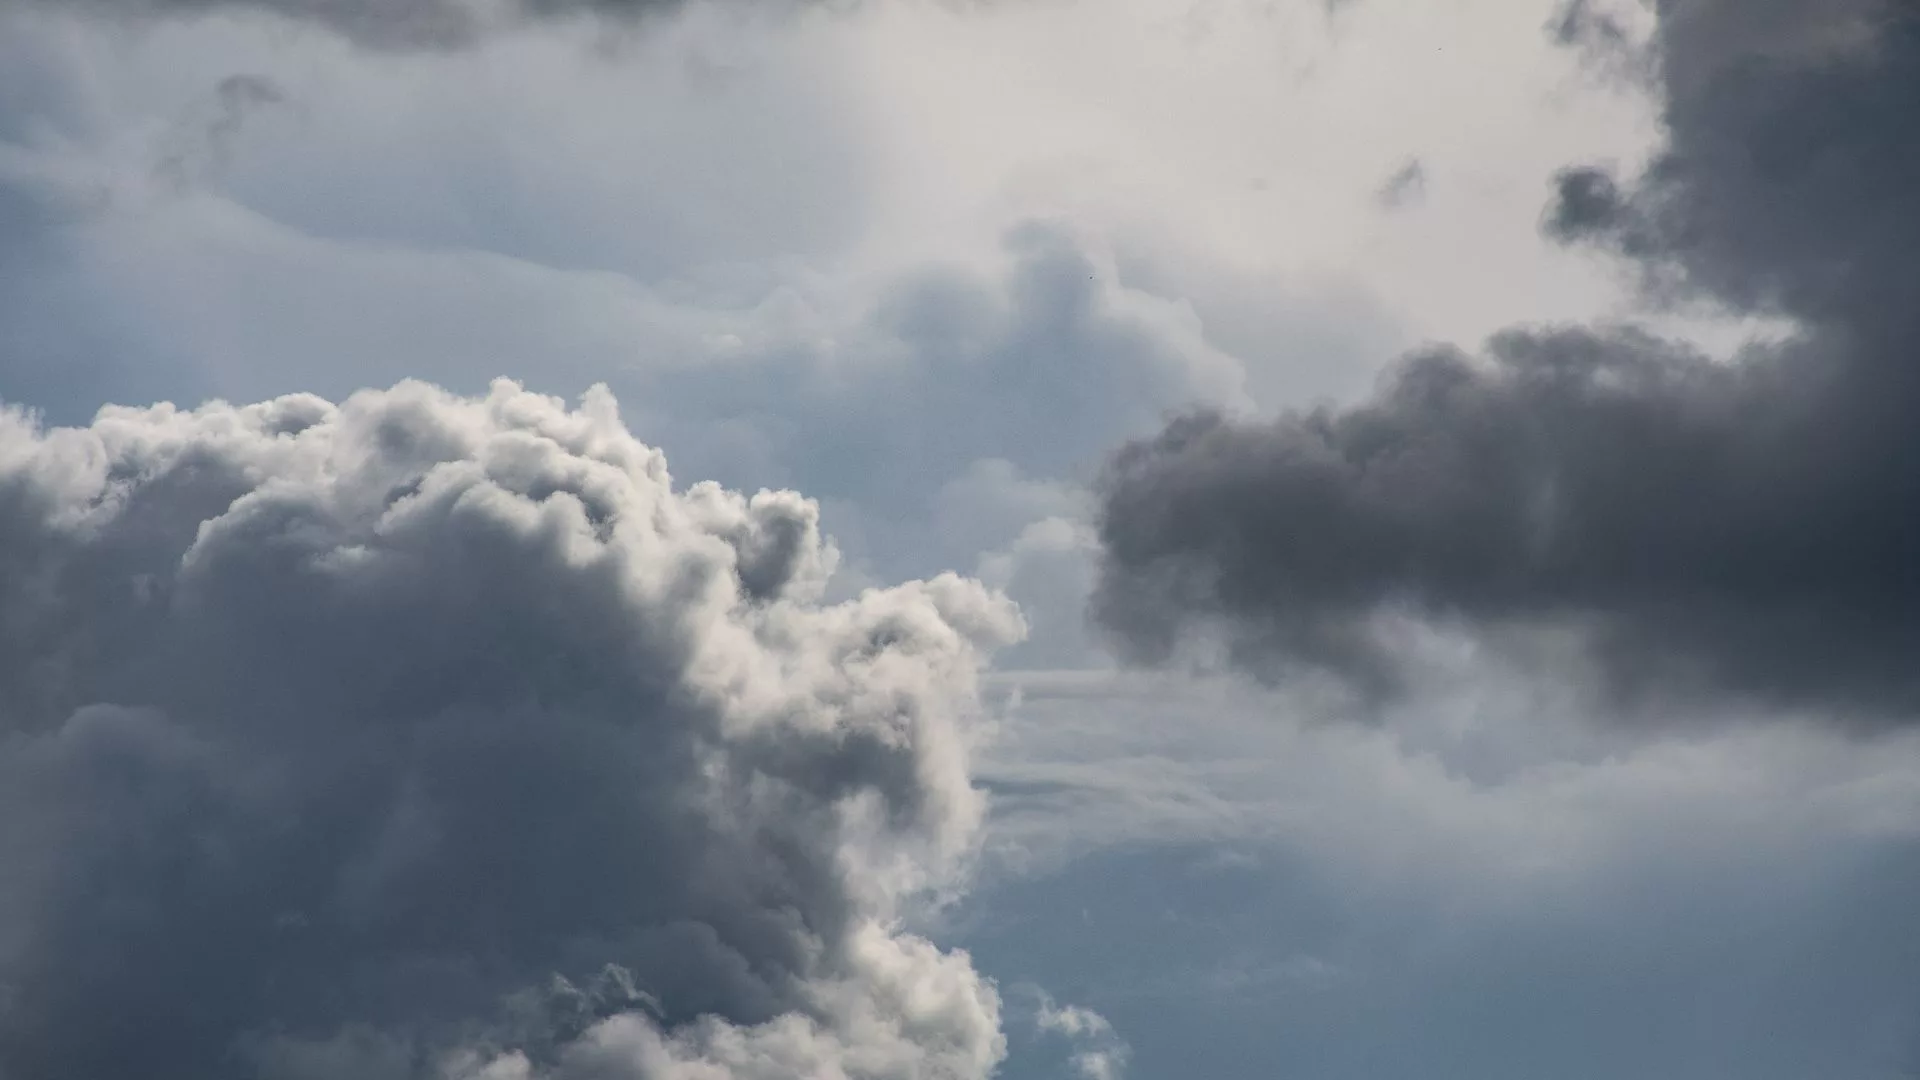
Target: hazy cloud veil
[(412, 24), (426, 736)]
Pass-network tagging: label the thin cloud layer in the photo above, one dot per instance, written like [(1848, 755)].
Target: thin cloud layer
[(383, 24), (422, 736), (1740, 531)]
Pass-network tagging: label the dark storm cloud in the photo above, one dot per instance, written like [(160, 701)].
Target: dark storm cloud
[(387, 24), (1747, 530), (421, 736)]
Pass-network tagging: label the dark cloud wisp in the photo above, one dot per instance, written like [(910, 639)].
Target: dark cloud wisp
[(1746, 531)]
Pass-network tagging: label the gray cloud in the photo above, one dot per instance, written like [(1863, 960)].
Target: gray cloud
[(1483, 854), (426, 736), (414, 24), (1406, 186), (1043, 366), (1742, 530), (1602, 35), (205, 143)]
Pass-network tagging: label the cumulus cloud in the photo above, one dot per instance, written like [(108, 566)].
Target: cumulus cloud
[(426, 736), (1742, 531)]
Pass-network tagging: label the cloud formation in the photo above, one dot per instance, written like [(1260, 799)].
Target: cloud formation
[(384, 24), (423, 736), (1743, 531), (1098, 1053)]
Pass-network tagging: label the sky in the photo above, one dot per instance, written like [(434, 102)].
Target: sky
[(927, 540)]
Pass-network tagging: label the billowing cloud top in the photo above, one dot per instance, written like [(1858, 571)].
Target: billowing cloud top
[(421, 736), (1743, 530)]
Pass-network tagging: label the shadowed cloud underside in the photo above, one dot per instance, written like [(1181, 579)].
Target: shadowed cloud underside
[(1736, 531)]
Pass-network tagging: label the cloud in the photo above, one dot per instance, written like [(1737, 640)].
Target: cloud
[(1099, 1053), (866, 390), (382, 24), (1081, 1043), (420, 735), (1738, 532), (1302, 898), (814, 301), (1606, 36), (206, 143), (1043, 363), (1407, 186)]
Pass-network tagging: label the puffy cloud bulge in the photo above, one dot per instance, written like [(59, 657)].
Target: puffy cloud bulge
[(1735, 531), (426, 736)]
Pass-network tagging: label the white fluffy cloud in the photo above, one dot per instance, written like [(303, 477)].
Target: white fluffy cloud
[(423, 733), (1098, 1053)]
